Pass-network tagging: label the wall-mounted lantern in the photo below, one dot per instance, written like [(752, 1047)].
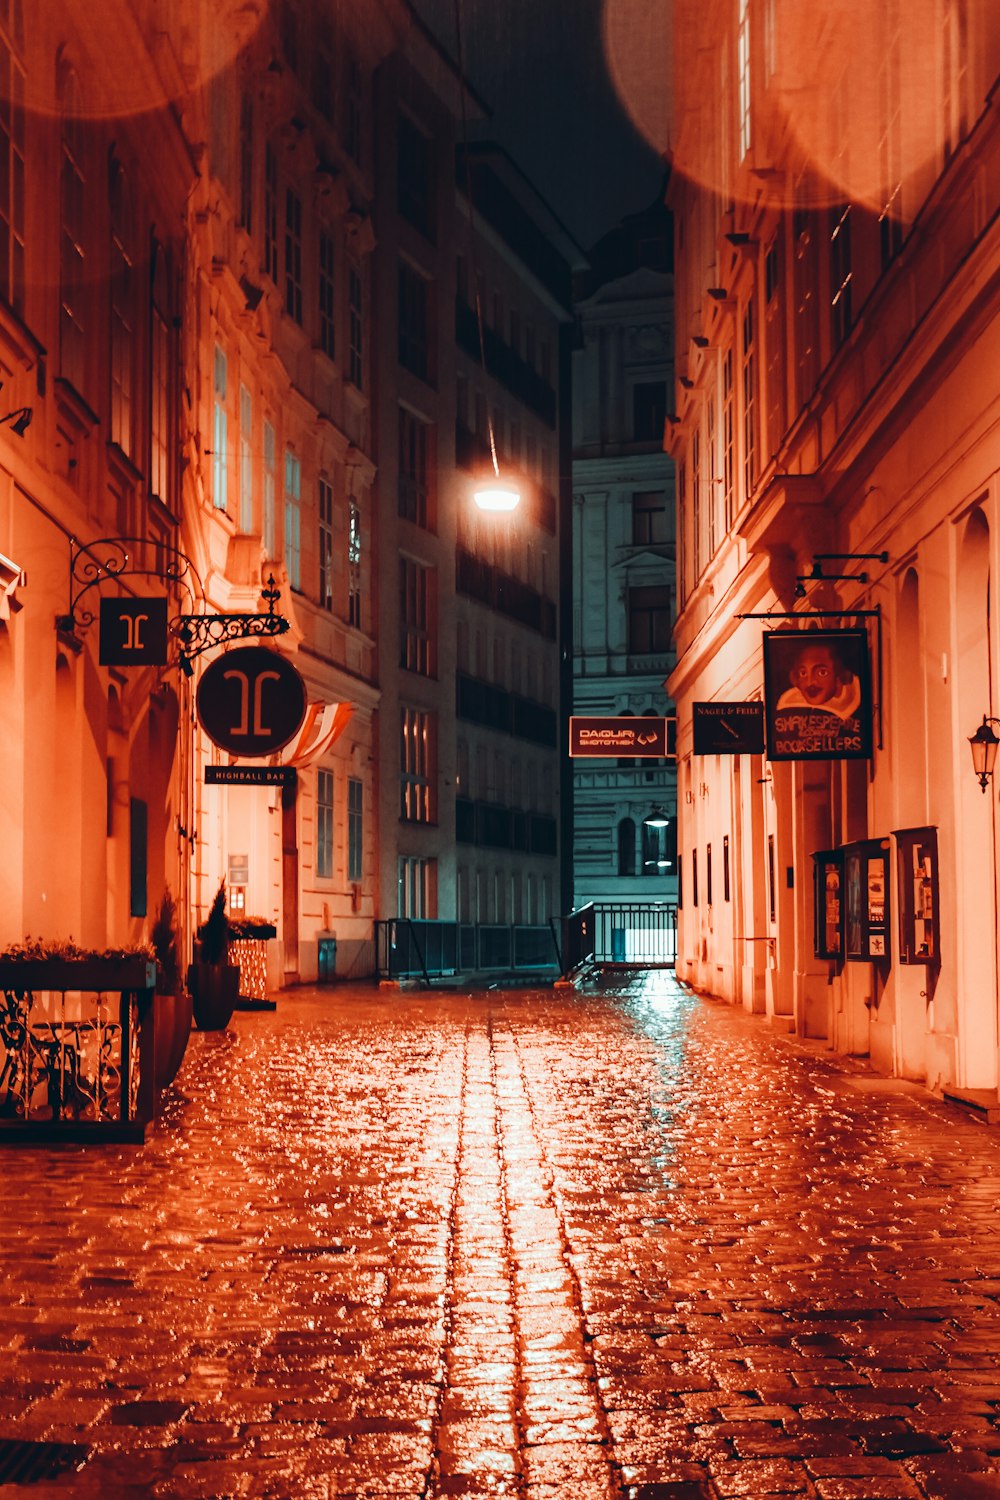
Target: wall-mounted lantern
[(983, 745)]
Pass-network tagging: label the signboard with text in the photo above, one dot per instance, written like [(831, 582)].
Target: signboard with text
[(249, 776), (728, 728), (133, 633), (817, 694), (628, 734)]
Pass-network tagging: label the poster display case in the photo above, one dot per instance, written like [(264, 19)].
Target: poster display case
[(828, 903), (917, 877), (866, 901)]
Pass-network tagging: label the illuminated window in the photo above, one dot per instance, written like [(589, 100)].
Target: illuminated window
[(270, 488), (293, 518), (743, 68), (220, 438), (246, 460), (749, 401), (354, 565), (159, 382), (728, 440), (355, 829), (416, 644), (123, 289), (416, 894), (324, 824), (72, 258), (327, 297), (325, 540), (417, 763)]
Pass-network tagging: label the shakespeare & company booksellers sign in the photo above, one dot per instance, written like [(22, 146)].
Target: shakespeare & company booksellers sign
[(817, 695)]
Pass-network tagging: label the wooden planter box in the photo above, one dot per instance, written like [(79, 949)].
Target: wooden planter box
[(83, 1070)]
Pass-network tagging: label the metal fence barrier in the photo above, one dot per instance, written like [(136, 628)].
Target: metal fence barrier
[(643, 933), (406, 948)]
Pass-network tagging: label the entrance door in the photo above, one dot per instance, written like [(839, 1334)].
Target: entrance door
[(290, 877)]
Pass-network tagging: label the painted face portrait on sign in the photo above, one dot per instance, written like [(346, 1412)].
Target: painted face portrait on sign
[(819, 679)]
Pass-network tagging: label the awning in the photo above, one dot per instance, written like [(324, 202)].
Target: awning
[(323, 723)]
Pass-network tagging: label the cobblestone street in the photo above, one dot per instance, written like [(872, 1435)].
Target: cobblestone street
[(540, 1245)]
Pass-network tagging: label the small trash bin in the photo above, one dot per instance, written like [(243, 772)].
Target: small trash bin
[(326, 959)]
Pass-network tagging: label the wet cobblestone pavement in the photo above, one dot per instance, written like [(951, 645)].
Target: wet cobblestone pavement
[(540, 1245)]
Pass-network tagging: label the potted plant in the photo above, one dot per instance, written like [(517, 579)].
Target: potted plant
[(61, 964), (172, 1006), (214, 982)]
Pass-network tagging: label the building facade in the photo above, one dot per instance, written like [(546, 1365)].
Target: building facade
[(835, 435), (623, 557)]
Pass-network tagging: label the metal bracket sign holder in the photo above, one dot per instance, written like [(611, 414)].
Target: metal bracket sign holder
[(109, 558)]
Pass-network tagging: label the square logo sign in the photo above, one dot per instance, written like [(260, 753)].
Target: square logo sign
[(133, 633)]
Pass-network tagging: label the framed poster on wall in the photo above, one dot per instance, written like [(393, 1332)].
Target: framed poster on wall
[(866, 901), (828, 903)]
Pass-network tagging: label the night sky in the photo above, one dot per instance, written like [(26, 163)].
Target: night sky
[(540, 65)]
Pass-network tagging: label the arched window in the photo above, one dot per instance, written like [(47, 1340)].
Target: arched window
[(626, 847)]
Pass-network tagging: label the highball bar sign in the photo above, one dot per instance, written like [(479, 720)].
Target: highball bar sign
[(622, 736)]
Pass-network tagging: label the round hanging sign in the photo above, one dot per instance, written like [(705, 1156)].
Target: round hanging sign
[(251, 701)]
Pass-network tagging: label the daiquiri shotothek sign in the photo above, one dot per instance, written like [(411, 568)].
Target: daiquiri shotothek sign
[(817, 694), (251, 701), (625, 735)]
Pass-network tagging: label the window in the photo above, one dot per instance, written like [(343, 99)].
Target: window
[(327, 297), (626, 847), (12, 188), (649, 411), (246, 460), (414, 321), (416, 643), (749, 401), (293, 518), (220, 438), (840, 272), (354, 565), (772, 893), (416, 760), (725, 868), (414, 177), (138, 840), (728, 440), (159, 381), (743, 67), (806, 306), (324, 824), (325, 540), (955, 68), (416, 895), (246, 163), (355, 345), (270, 488), (293, 255), (72, 257), (413, 468), (122, 310), (694, 877), (774, 334), (697, 551), (890, 220), (324, 90), (270, 212), (649, 518), (712, 498), (648, 619), (708, 874), (355, 829)]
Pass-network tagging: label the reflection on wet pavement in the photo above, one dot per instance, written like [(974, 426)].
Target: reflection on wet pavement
[(546, 1244)]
